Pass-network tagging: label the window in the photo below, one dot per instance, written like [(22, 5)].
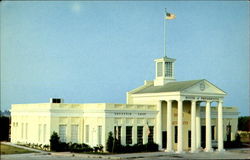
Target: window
[(175, 134), (74, 133), (99, 134), (87, 133), (168, 69), (62, 133), (139, 134), (26, 131), (151, 134), (128, 134), (44, 132), (159, 69), (117, 132), (22, 130)]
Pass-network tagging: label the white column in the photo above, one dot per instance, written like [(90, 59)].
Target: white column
[(208, 127), (145, 136), (220, 127), (198, 127), (134, 133), (123, 132), (159, 125), (104, 136), (193, 126), (180, 129), (169, 127)]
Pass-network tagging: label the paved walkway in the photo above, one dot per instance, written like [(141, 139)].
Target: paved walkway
[(243, 153)]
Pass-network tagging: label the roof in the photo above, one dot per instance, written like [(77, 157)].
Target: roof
[(166, 59), (168, 87)]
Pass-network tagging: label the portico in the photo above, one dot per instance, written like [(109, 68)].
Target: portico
[(195, 125), (177, 101)]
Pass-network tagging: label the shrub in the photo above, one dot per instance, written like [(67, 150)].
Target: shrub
[(86, 148), (149, 147), (45, 147), (77, 148), (63, 146), (233, 144), (98, 148), (152, 147)]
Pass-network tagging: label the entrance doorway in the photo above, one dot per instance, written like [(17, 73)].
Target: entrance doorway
[(228, 132), (203, 136), (164, 139), (189, 138)]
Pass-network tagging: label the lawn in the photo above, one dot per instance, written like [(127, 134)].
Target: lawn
[(6, 149)]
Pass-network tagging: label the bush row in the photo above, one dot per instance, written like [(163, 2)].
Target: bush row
[(149, 147), (114, 146), (58, 146), (77, 148), (35, 146)]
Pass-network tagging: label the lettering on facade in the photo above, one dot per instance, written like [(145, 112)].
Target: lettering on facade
[(141, 114), (128, 114), (123, 114), (201, 98)]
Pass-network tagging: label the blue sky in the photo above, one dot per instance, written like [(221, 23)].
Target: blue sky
[(91, 52)]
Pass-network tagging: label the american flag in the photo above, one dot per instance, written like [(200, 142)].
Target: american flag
[(170, 16)]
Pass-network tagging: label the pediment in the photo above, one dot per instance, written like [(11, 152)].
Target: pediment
[(204, 87)]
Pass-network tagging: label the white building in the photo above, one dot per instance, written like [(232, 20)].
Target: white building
[(171, 110)]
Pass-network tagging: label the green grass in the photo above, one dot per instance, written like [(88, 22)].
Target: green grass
[(6, 149)]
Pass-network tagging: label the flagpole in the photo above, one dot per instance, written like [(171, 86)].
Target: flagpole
[(165, 47)]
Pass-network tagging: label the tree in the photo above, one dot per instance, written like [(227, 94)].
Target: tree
[(5, 128), (54, 142), (244, 123), (110, 142)]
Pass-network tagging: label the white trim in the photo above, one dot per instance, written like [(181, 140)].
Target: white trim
[(156, 94)]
